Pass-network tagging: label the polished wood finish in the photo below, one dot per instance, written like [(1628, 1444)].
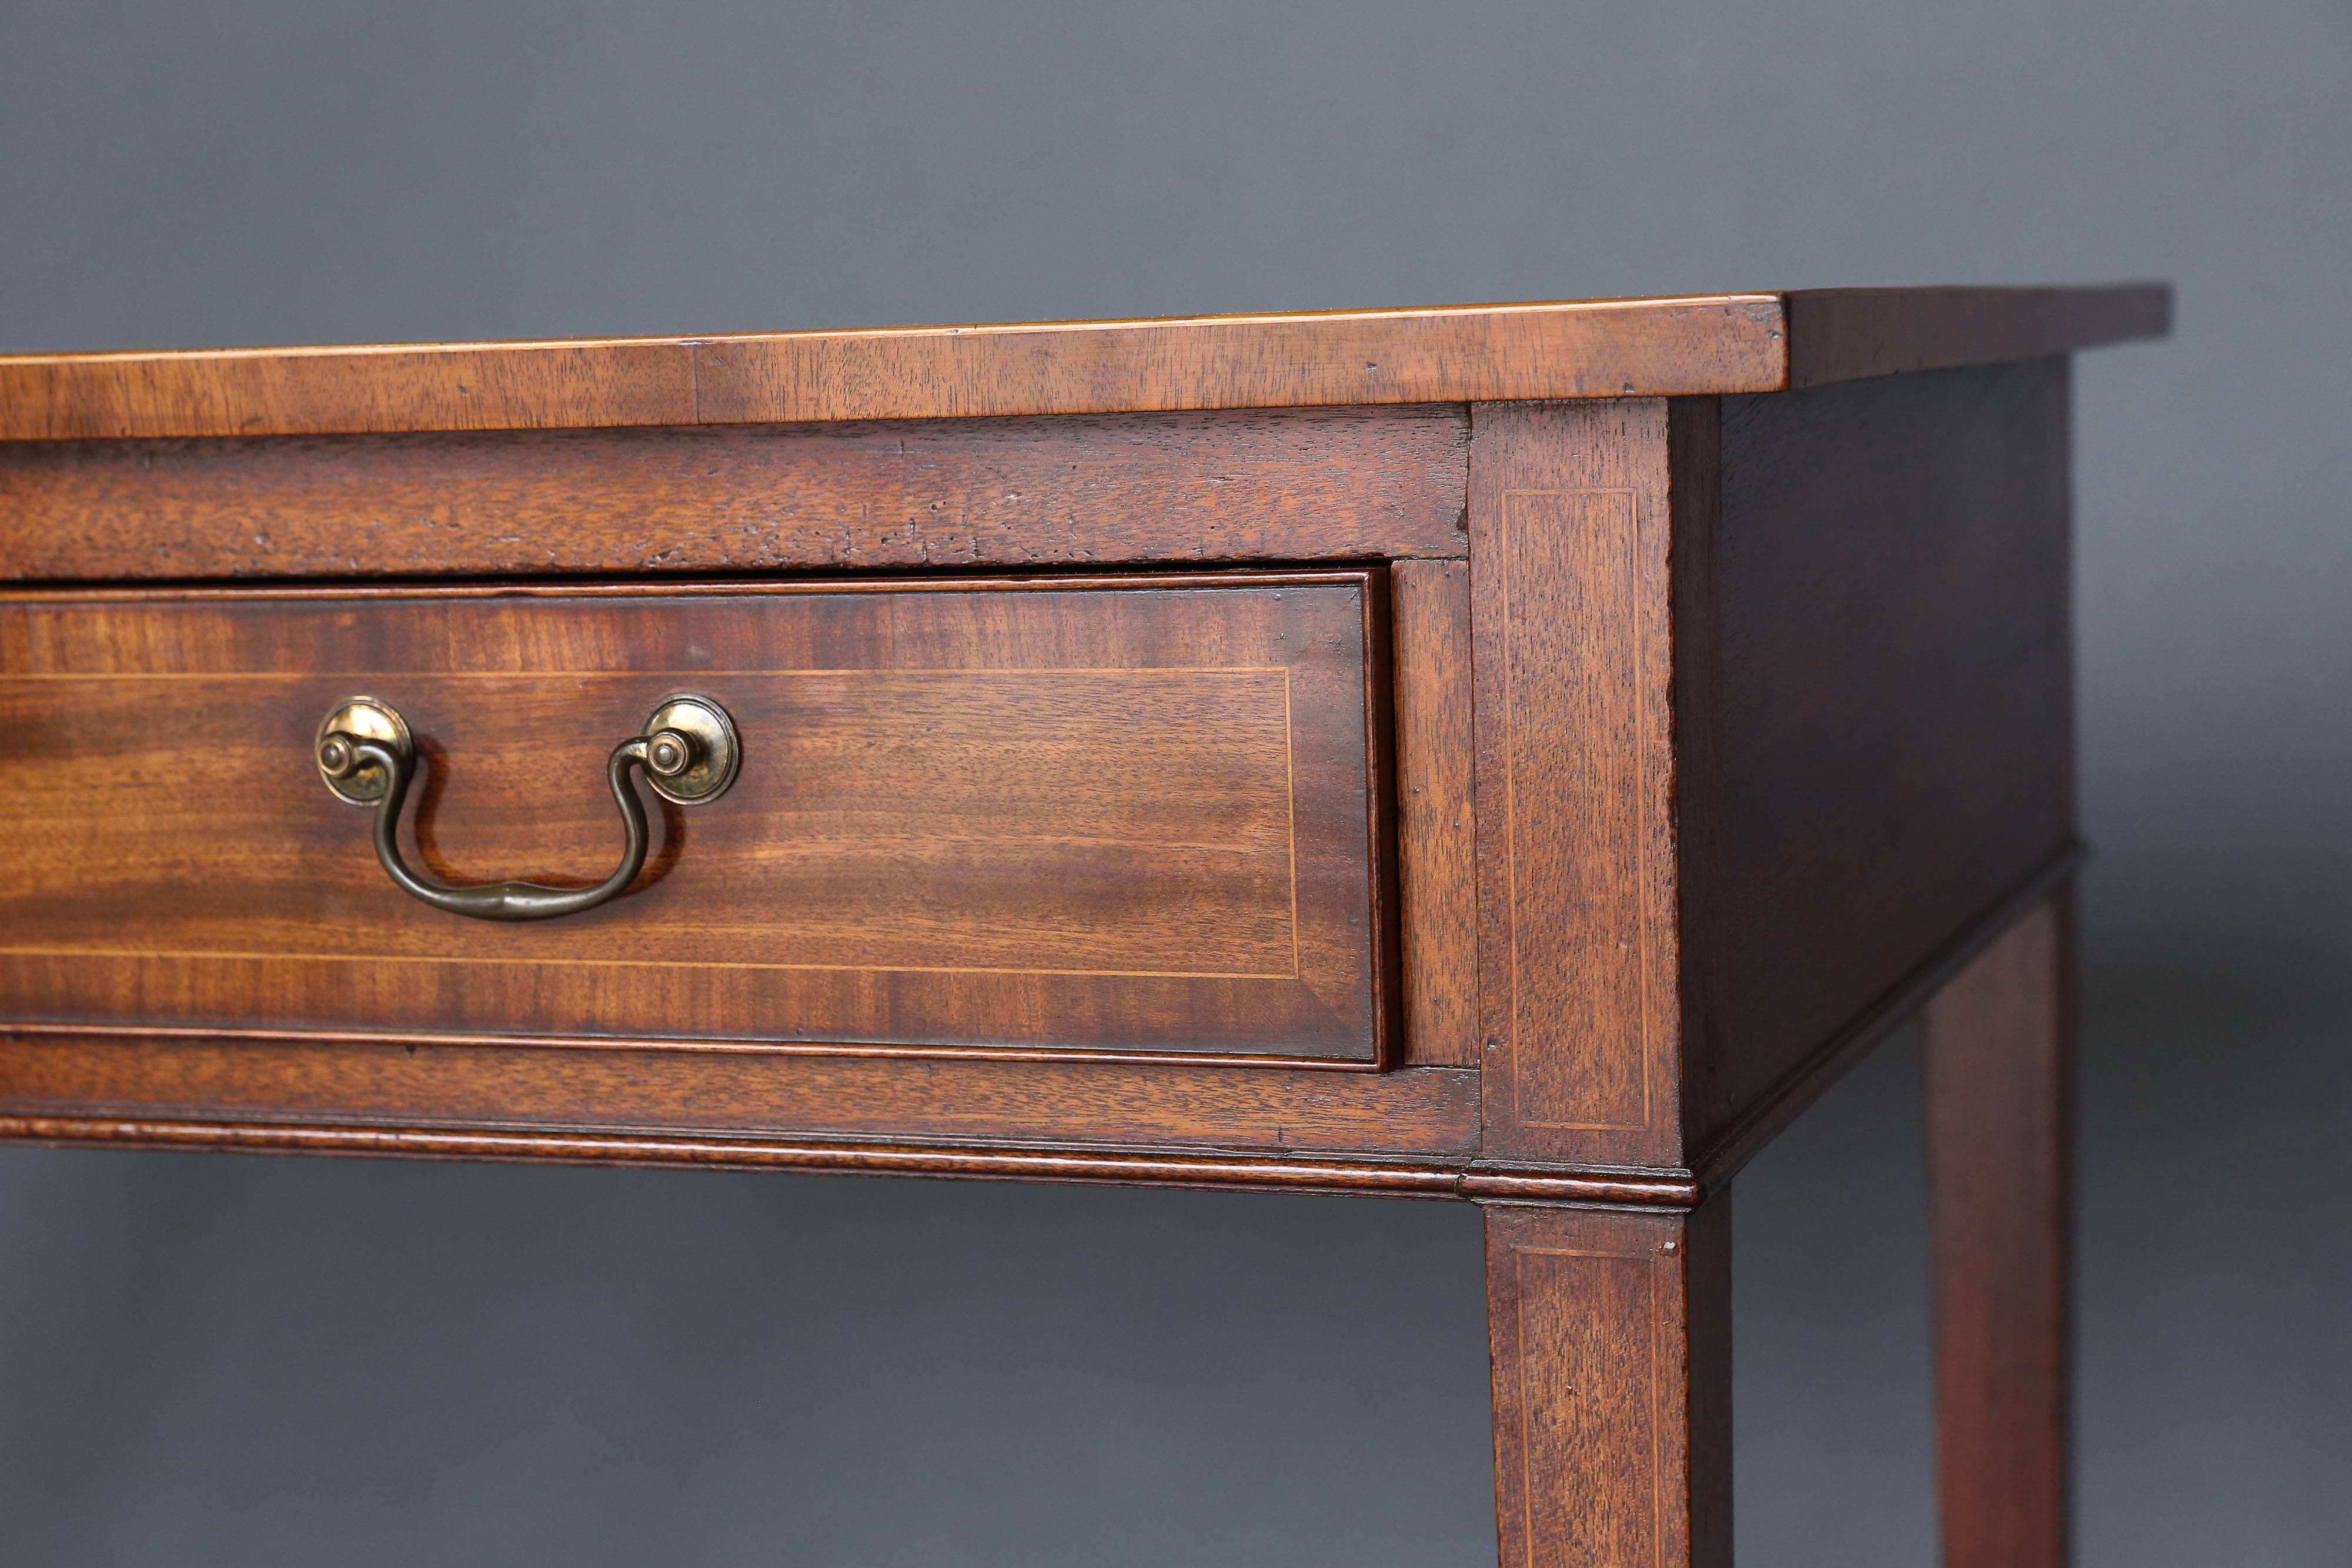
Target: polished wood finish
[(1874, 688), (1294, 1173), (1651, 702), (1421, 1116), (1774, 705), (1611, 1336), (1571, 535), (1436, 818), (1584, 348), (1999, 1050), (1110, 815), (990, 494), (1209, 1171)]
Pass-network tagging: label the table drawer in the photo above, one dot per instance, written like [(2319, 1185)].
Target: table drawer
[(1058, 816)]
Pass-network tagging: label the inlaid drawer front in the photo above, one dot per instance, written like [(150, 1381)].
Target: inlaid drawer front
[(1101, 815)]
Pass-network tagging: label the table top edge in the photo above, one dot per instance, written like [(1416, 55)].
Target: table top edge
[(1693, 345)]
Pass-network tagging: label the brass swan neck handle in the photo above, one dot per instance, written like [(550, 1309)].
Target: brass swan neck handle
[(688, 753)]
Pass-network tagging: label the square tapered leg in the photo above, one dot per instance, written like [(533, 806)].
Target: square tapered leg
[(1998, 1060), (1611, 1332)]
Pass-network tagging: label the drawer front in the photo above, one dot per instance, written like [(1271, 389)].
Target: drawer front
[(1135, 815)]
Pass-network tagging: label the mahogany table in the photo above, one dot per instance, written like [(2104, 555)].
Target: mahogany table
[(1517, 754)]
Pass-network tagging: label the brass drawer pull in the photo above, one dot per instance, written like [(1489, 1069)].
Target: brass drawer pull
[(688, 752)]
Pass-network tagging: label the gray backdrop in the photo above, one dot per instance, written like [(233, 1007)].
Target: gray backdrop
[(244, 1361)]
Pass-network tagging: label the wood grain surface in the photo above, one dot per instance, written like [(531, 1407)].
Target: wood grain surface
[(375, 1089), (1137, 814), (1339, 1175), (1279, 485), (1436, 821), (1580, 348), (1611, 1335), (1999, 1065), (1570, 534), (1403, 1122), (1874, 688)]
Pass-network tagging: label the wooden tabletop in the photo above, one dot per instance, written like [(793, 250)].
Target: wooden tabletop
[(1606, 347)]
